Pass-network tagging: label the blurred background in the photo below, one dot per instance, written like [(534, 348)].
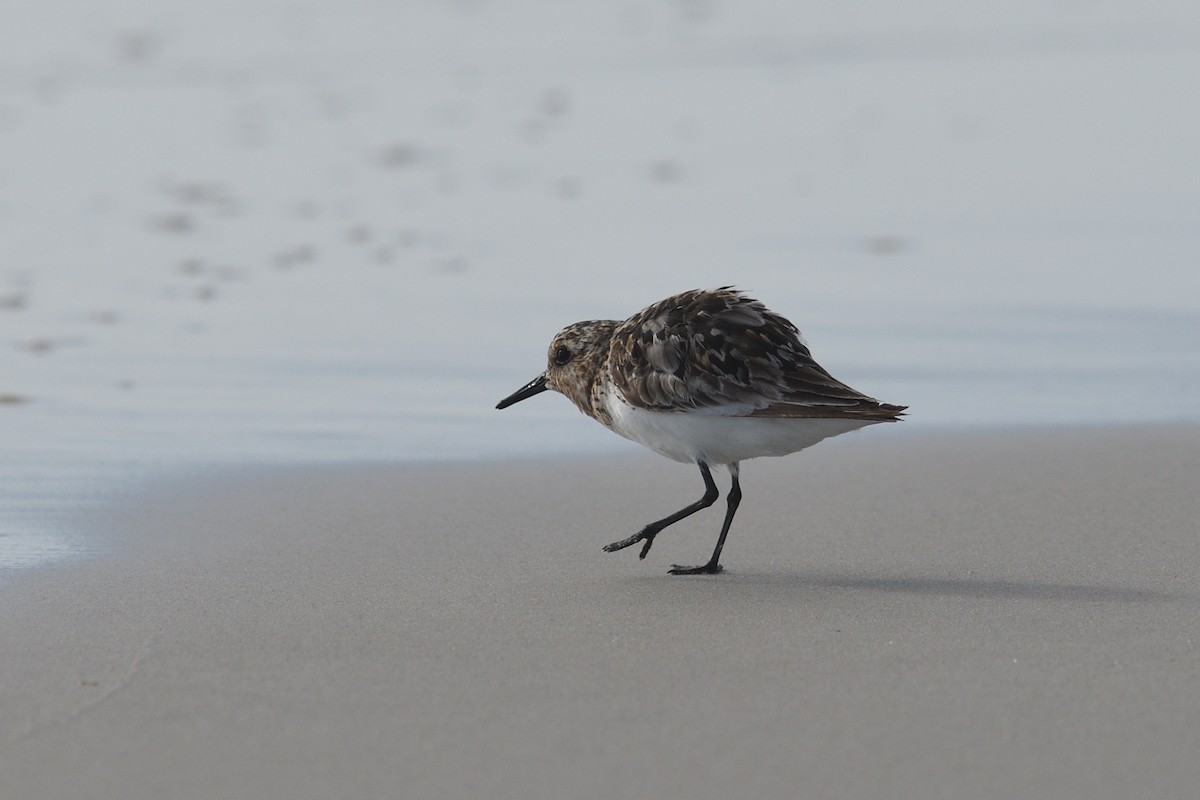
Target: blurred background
[(286, 232)]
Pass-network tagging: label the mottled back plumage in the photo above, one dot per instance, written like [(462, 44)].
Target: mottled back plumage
[(716, 351)]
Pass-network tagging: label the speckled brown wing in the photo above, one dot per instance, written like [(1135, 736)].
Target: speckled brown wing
[(725, 353)]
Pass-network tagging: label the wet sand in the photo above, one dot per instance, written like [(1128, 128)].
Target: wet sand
[(1000, 614)]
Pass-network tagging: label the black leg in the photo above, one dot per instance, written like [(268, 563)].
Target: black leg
[(733, 498), (648, 533)]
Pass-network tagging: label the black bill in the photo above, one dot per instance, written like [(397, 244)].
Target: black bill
[(535, 386)]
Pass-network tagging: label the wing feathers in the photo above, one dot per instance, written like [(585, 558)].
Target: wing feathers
[(723, 352)]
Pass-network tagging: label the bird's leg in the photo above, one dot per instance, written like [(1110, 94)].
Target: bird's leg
[(648, 533), (733, 498)]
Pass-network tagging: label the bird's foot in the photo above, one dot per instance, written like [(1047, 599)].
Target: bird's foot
[(644, 535), (711, 568)]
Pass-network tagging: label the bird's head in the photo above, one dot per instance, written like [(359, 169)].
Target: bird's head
[(574, 361)]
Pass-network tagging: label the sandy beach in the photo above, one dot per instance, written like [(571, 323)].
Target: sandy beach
[(948, 615)]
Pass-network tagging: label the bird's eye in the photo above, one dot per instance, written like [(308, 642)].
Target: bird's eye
[(561, 356)]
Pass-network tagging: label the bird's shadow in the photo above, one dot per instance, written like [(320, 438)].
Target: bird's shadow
[(995, 588), (967, 587)]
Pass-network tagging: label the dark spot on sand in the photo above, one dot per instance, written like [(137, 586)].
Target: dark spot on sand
[(451, 265), (294, 256), (230, 274), (665, 170), (137, 46), (306, 209), (172, 223), (399, 155), (885, 245), (44, 345), (568, 188), (555, 102)]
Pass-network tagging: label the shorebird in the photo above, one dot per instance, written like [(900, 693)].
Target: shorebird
[(707, 377)]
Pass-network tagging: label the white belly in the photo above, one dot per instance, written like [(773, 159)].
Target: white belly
[(692, 436)]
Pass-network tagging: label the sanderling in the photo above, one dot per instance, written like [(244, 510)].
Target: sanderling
[(708, 377)]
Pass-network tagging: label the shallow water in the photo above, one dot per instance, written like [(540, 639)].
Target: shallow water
[(343, 232)]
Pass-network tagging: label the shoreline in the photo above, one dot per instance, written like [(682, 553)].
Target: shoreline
[(945, 614)]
